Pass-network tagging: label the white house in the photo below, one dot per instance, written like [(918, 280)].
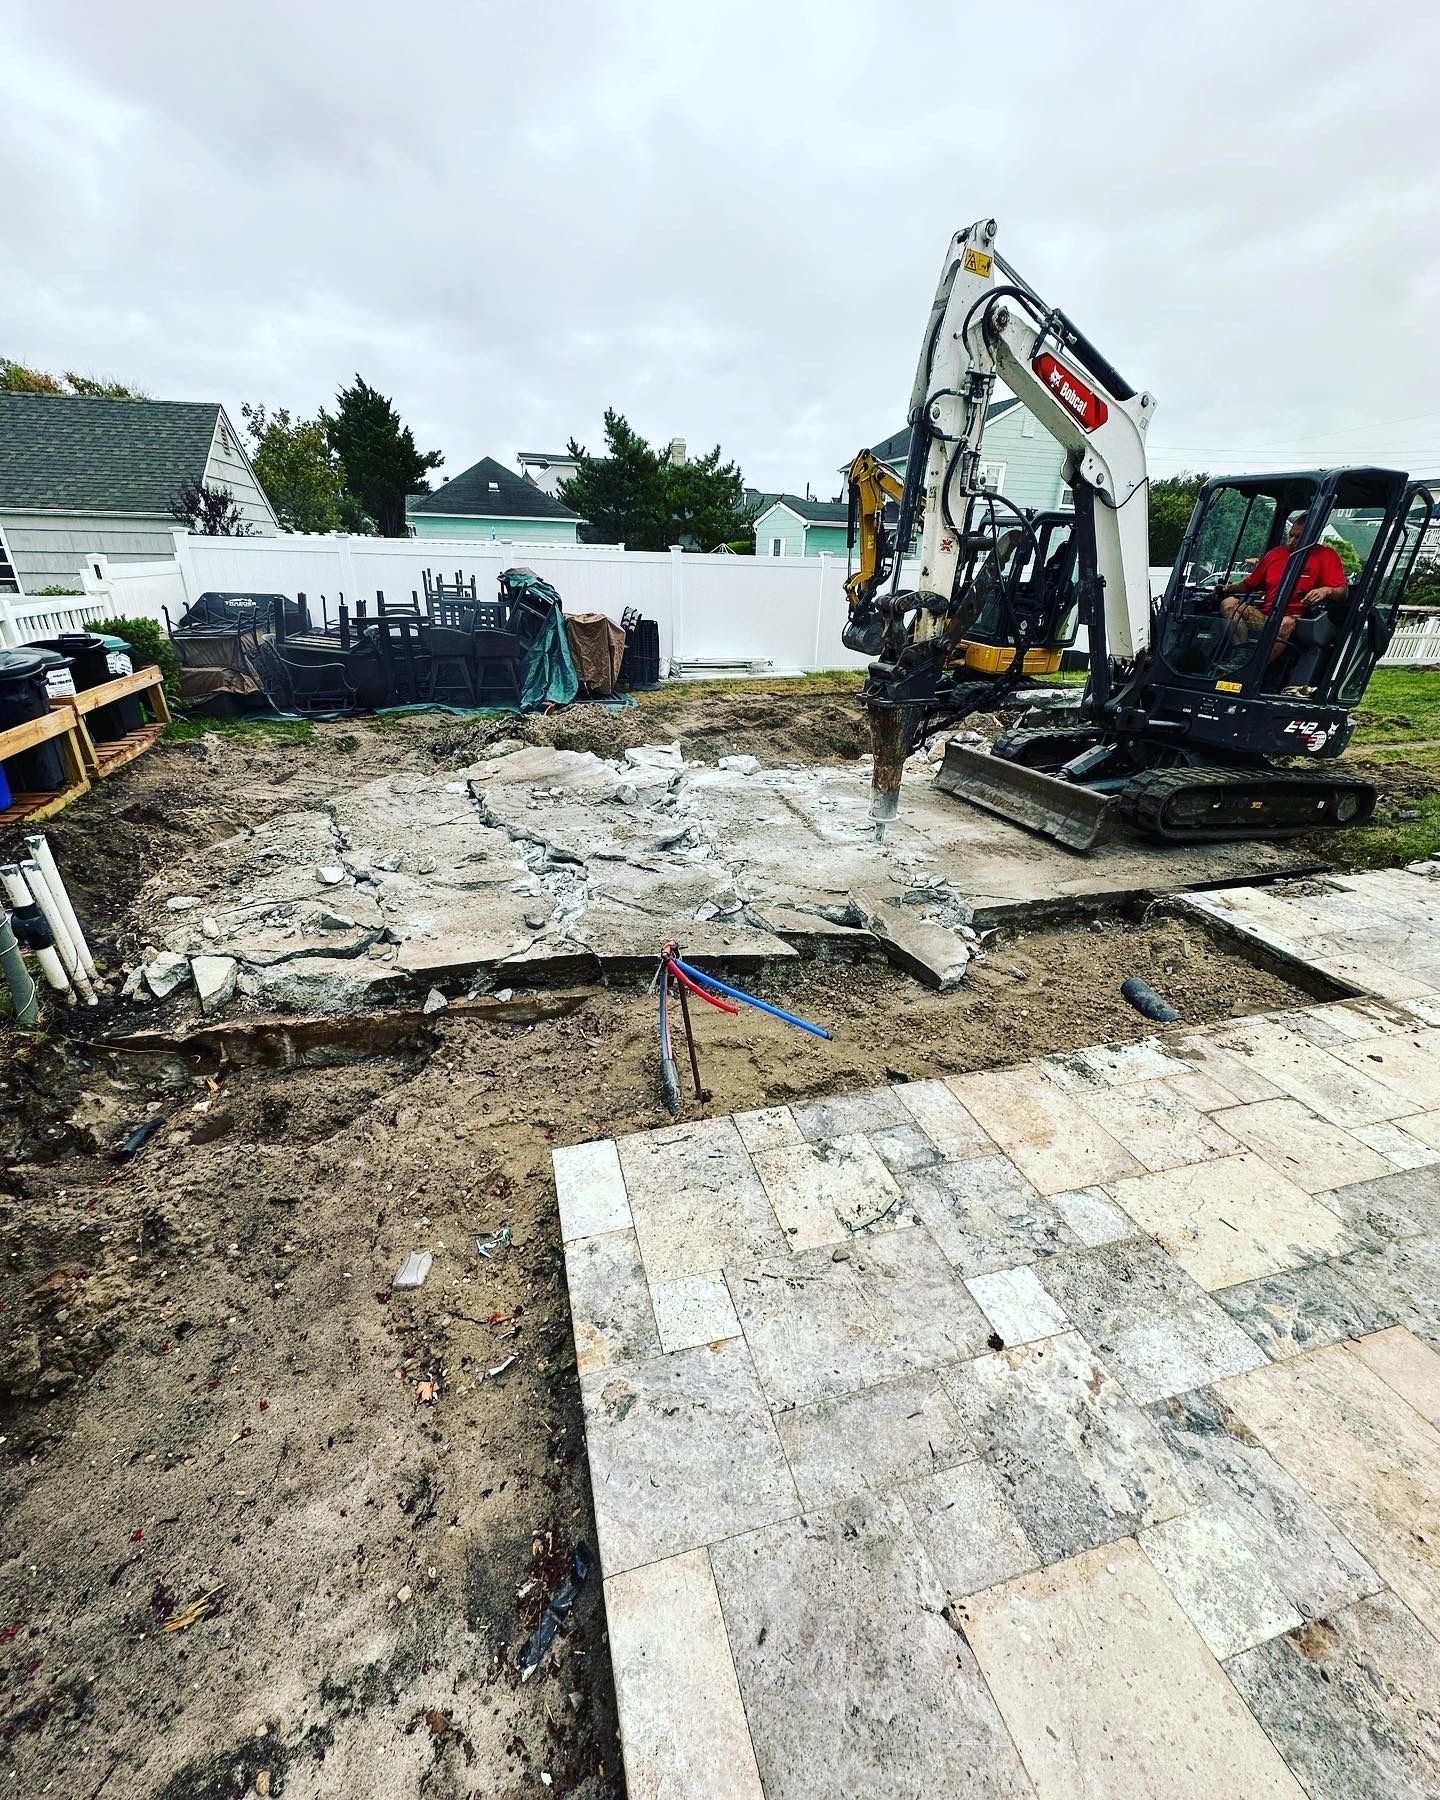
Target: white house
[(82, 477)]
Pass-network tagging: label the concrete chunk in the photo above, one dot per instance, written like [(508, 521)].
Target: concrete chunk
[(215, 978), (932, 953), (167, 972)]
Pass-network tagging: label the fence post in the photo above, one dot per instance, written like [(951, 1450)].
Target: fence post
[(824, 561), (677, 604)]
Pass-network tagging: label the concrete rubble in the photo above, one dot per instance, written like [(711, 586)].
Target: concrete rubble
[(553, 864)]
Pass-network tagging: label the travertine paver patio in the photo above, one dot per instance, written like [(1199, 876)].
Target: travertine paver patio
[(1069, 1430)]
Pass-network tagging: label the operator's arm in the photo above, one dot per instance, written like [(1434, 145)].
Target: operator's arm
[(1248, 583), (1331, 582)]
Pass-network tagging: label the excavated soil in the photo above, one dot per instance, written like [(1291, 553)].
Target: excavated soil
[(272, 1525)]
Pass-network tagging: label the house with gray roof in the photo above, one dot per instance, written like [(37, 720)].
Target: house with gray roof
[(488, 500), (80, 478)]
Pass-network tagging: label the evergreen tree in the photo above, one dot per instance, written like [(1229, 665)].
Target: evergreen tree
[(378, 453), (635, 496)]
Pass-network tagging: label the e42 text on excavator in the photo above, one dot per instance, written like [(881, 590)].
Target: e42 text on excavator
[(1215, 712)]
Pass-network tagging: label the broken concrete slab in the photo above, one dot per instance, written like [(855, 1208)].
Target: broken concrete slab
[(215, 978), (166, 972), (932, 952)]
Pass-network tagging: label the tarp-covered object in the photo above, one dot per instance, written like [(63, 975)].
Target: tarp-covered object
[(548, 676), (597, 645)]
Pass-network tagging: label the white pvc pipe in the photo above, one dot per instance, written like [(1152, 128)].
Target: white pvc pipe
[(40, 849), (54, 970), (19, 896), (55, 919)]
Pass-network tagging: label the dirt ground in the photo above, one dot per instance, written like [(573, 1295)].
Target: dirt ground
[(271, 1525)]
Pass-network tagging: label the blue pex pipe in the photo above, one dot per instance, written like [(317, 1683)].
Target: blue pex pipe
[(750, 1000)]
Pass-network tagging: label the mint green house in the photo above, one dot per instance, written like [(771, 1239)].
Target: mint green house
[(491, 501), (790, 526), (1022, 461)]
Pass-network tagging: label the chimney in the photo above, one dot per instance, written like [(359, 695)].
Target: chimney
[(675, 455)]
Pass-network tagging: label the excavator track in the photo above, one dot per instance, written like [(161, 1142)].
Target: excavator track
[(1046, 747), (1212, 804)]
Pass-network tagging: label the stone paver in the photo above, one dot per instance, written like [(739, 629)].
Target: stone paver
[(1108, 1689), (590, 1190), (683, 1451), (950, 1436), (825, 1192), (984, 1214), (970, 1534), (1017, 1306), (1372, 1465), (694, 1309), (872, 1439), (1051, 1139), (610, 1306), (671, 1660), (838, 1704), (819, 1329), (1232, 1220), (1077, 1461), (1159, 1331), (1349, 1701), (1401, 1361)]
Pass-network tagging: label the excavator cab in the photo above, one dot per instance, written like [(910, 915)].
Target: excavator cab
[(1036, 572), (1230, 663)]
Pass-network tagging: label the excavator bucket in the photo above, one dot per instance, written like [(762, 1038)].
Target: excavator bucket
[(1074, 816)]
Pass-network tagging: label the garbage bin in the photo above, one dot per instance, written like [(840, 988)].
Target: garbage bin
[(96, 660), (24, 694)]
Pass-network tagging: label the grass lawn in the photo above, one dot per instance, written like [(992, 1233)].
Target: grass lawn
[(1400, 706)]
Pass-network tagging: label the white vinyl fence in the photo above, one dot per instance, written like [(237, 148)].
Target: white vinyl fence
[(1417, 637), (716, 614)]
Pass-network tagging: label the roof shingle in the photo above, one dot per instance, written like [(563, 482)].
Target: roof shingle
[(488, 490), (62, 453)]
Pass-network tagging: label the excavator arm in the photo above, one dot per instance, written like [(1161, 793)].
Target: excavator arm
[(872, 486), (987, 323)]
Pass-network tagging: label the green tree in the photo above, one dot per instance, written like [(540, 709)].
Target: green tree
[(1172, 500), (378, 453), (16, 378), (634, 495), (295, 465)]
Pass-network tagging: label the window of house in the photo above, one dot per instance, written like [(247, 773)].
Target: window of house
[(777, 546), (1065, 499), (992, 476)]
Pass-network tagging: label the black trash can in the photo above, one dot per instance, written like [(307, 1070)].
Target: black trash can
[(24, 694), (94, 662)]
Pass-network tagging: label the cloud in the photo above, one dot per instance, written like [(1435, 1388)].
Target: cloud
[(727, 222)]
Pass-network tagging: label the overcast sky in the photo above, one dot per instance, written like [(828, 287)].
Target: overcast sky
[(727, 221)]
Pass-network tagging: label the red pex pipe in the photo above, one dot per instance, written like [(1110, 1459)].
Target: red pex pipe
[(695, 988)]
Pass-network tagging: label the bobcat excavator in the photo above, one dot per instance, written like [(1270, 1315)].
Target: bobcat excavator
[(1202, 717)]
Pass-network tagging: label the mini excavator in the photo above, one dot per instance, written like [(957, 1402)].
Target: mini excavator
[(1201, 718)]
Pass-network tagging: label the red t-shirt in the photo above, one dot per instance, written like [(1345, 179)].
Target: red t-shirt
[(1323, 568)]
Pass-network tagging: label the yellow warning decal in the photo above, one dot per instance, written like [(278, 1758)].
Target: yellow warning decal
[(1228, 687), (976, 262)]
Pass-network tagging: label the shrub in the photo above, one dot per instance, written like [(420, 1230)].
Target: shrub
[(148, 641)]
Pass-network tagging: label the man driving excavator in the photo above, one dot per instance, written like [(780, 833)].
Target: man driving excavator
[(1322, 577)]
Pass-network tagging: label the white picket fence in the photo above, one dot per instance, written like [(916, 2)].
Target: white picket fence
[(716, 614)]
